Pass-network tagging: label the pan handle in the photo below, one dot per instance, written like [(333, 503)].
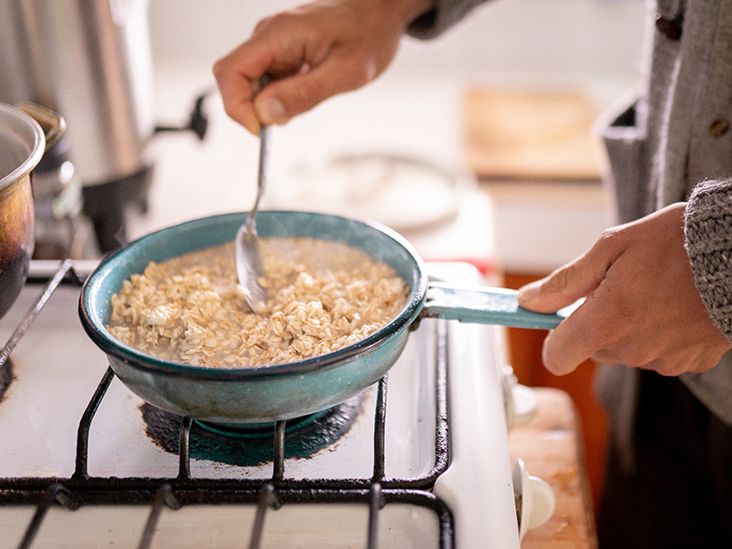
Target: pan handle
[(484, 305), (52, 123)]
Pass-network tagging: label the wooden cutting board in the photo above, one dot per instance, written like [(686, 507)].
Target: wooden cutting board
[(532, 135)]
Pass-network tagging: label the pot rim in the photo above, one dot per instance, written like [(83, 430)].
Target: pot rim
[(23, 121)]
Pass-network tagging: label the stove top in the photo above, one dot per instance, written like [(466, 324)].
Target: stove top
[(418, 460)]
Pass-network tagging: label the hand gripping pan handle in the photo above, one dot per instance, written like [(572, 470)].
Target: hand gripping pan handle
[(485, 305)]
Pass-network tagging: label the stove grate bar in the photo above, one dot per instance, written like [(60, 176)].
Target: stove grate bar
[(379, 431), (184, 449), (163, 497), (267, 500), (65, 271), (54, 493), (442, 384), (14, 491), (278, 463), (375, 504), (82, 435), (207, 495)]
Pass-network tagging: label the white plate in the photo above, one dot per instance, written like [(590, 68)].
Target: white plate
[(400, 192)]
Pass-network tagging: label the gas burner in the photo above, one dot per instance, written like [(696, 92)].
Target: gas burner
[(6, 377), (252, 445)]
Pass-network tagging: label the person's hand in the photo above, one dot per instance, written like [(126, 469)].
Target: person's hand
[(642, 308), (313, 52)]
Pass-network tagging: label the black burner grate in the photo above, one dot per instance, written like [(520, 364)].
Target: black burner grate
[(377, 491), (248, 446)]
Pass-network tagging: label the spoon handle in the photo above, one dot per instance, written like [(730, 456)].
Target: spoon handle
[(261, 178), (262, 174)]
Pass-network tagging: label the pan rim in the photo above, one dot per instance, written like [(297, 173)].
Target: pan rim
[(99, 334)]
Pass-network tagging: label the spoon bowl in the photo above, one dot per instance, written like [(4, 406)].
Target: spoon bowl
[(250, 267)]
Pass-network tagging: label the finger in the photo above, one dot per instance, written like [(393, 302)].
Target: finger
[(237, 76), (578, 337), (572, 281), (661, 367), (293, 95), (236, 94)]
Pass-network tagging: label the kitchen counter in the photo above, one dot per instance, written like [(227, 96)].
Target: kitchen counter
[(552, 449)]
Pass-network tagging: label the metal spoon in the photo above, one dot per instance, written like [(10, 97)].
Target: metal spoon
[(249, 265)]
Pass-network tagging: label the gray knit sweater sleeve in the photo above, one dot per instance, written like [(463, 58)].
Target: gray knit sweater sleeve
[(709, 244), (443, 15)]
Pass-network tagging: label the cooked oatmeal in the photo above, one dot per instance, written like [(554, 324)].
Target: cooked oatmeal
[(322, 296)]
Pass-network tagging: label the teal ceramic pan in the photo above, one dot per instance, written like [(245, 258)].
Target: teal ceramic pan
[(282, 391)]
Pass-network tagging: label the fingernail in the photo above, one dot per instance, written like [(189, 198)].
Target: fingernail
[(253, 128), (270, 110), (529, 292)]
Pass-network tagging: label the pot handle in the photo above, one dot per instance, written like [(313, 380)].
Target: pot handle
[(52, 123), (484, 305)]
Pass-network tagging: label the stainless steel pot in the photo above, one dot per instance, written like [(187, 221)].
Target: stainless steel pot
[(90, 61), (25, 133)]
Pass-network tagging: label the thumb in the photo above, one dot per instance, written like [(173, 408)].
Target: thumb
[(572, 281), (287, 97)]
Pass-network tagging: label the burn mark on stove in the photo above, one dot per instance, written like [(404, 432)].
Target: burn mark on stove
[(6, 377), (252, 446)]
